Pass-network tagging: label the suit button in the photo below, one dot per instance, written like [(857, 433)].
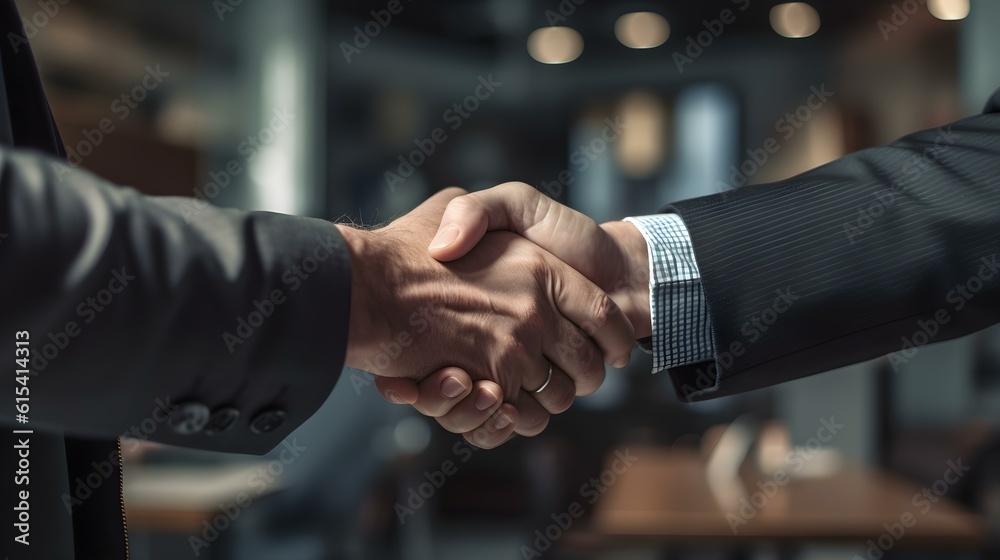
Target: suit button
[(267, 421), (189, 418), (221, 420)]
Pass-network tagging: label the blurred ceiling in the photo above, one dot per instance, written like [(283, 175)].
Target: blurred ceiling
[(485, 22)]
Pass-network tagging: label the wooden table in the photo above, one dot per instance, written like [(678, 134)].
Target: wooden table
[(665, 499)]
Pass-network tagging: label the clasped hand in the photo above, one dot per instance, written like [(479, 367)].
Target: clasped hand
[(465, 325)]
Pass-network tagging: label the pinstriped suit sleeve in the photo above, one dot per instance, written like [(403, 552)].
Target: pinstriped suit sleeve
[(877, 252)]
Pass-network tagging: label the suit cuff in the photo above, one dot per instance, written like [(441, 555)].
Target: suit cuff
[(682, 332)]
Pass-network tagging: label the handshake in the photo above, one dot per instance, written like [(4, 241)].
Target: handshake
[(491, 311)]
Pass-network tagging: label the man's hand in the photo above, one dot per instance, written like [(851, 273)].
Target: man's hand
[(612, 255), (505, 312)]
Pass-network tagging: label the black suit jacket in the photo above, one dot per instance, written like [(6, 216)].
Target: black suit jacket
[(151, 317), (874, 253)]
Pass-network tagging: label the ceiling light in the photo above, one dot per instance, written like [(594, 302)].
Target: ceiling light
[(555, 45), (642, 30), (794, 20), (948, 9)]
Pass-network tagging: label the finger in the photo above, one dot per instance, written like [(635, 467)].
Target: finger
[(484, 400), (511, 206), (575, 354), (397, 390), (587, 306), (532, 417), (522, 209), (430, 211), (472, 411), (557, 395), (438, 392), (497, 429)]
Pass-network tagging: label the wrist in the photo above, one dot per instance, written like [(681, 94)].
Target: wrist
[(366, 253), (632, 292)]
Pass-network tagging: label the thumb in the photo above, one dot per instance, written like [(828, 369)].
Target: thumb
[(424, 219), (433, 207), (510, 206)]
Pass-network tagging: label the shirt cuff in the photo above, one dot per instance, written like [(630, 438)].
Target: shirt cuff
[(682, 329)]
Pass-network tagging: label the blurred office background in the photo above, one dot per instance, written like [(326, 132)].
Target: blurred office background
[(332, 109)]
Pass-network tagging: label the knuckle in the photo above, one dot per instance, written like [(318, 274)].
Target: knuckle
[(520, 187), (603, 308), (531, 312), (513, 349), (464, 204), (458, 191)]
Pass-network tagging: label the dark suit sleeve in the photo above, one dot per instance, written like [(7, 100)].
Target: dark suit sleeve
[(147, 313), (877, 252)]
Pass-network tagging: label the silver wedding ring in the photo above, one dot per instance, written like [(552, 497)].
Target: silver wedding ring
[(546, 384)]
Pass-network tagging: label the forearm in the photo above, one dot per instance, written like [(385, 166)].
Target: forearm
[(132, 300), (846, 262)]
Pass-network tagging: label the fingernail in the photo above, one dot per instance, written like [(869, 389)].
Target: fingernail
[(485, 399), (445, 237), (452, 388), (393, 397), (502, 422)]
